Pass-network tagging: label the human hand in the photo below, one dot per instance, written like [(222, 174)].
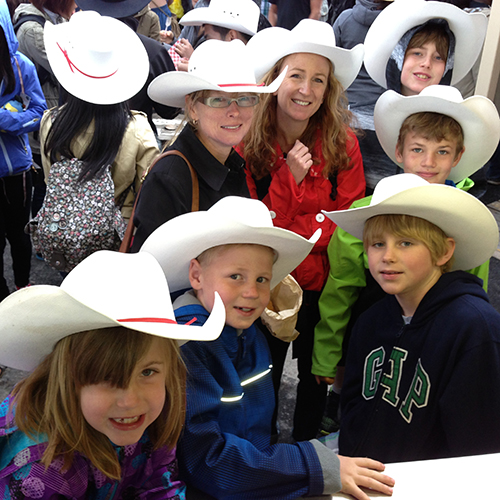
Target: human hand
[(166, 36), (184, 48), (182, 65), (356, 472), (299, 160), (326, 380)]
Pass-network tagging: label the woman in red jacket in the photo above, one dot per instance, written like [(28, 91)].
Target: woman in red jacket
[(302, 158)]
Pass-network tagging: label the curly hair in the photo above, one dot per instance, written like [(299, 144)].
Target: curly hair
[(332, 120)]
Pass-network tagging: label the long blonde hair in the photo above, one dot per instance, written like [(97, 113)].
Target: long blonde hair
[(49, 399), (332, 120)]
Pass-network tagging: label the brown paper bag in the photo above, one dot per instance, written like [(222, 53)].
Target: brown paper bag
[(280, 315)]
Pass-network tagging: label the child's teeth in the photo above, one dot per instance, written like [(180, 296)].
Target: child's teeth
[(126, 420)]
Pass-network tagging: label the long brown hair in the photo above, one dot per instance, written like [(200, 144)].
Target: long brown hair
[(50, 397), (332, 120), (64, 8)]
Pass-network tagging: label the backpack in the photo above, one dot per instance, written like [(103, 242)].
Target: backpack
[(76, 218)]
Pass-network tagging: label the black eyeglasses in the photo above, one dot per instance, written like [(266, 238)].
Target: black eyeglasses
[(244, 101)]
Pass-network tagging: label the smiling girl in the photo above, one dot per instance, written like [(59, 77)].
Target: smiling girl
[(101, 412)]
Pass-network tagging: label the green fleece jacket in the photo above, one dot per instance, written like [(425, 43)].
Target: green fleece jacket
[(346, 280)]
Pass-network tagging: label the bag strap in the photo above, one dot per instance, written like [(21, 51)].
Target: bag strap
[(195, 199), (20, 74)]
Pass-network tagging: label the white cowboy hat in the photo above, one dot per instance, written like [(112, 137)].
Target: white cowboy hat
[(106, 289), (402, 15), (214, 65), (239, 15), (460, 215), (477, 116), (270, 45), (232, 220), (96, 58)]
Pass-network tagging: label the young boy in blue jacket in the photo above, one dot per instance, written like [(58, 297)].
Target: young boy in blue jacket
[(225, 448), (423, 365)]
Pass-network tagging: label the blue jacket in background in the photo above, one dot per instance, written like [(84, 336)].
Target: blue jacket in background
[(15, 156), (225, 447)]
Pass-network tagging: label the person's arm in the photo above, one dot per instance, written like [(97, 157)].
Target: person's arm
[(162, 481), (475, 376), (482, 272), (31, 43), (22, 122), (272, 16), (346, 280), (136, 155), (315, 6), (208, 454), (45, 125)]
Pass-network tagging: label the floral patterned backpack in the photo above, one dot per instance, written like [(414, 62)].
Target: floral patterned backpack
[(76, 218)]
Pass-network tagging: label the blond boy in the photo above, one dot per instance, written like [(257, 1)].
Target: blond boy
[(225, 449), (423, 362), (436, 135)]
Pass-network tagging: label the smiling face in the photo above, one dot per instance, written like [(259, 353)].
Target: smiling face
[(219, 129), (303, 89), (432, 160), (241, 274), (422, 66), (124, 414)]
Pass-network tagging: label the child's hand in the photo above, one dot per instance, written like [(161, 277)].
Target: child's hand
[(184, 48), (356, 472), (299, 160), (166, 36), (326, 380), (182, 65)]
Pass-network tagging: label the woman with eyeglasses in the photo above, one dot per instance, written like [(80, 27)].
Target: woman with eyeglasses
[(303, 158), (219, 94)]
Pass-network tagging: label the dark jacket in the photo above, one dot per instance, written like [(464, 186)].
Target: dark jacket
[(429, 389), (167, 190), (159, 62)]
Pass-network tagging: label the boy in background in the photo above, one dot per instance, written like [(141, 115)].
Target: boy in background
[(225, 449), (423, 366), (436, 135), (416, 43), (411, 45)]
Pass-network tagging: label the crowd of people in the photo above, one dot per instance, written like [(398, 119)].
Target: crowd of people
[(153, 371)]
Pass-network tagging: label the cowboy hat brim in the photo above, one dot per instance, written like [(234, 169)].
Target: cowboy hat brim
[(172, 88), (477, 116), (96, 294), (460, 215), (127, 74), (113, 8), (272, 44), (396, 19), (203, 230)]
